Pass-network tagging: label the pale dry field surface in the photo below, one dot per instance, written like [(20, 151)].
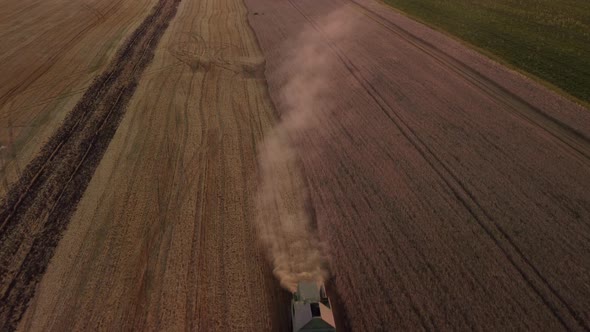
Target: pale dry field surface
[(49, 54), (453, 193), (163, 238)]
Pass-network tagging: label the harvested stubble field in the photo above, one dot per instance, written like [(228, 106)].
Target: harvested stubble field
[(165, 157), (49, 54), (452, 193)]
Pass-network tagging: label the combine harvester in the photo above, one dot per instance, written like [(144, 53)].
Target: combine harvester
[(311, 310)]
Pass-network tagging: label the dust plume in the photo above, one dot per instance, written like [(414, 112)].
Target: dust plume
[(283, 222)]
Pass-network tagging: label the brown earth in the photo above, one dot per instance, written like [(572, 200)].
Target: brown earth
[(453, 193)]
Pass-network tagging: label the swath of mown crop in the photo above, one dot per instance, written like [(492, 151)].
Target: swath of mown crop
[(37, 208)]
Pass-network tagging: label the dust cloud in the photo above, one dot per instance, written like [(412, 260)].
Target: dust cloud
[(283, 222)]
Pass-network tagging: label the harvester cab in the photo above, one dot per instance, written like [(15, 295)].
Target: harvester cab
[(311, 310)]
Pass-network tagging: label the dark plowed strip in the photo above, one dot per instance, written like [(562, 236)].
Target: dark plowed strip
[(38, 207)]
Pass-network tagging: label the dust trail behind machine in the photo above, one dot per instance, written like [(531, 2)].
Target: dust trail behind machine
[(283, 222)]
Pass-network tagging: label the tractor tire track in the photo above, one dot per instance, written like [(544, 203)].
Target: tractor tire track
[(37, 208)]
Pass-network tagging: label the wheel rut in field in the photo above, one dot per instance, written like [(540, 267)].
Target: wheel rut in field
[(38, 207)]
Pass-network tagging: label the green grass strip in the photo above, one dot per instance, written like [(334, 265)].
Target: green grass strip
[(549, 39)]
